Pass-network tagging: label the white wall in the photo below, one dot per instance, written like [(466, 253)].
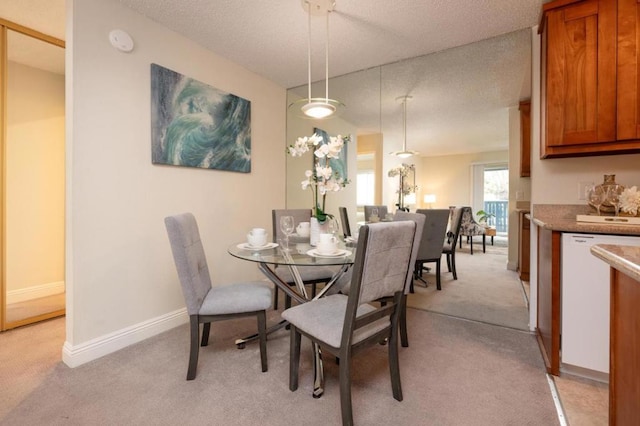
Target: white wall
[(120, 271), (34, 182), (449, 176)]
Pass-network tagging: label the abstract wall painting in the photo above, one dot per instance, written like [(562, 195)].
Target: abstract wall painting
[(196, 125)]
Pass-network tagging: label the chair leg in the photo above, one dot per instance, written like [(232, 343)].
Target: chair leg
[(449, 261), (345, 391), (194, 326), (394, 366), (294, 358), (471, 243), (275, 298), (404, 338), (206, 328), (262, 332), (484, 243), (453, 265), (438, 286)]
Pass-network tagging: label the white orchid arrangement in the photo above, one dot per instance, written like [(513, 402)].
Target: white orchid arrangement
[(404, 187), (630, 201), (323, 179)]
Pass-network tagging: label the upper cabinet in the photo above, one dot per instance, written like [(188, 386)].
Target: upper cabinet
[(590, 97), (525, 138)]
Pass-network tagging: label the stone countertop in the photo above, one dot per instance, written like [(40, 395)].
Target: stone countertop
[(625, 259), (562, 217)]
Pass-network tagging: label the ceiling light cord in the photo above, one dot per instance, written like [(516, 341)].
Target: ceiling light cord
[(404, 125), (326, 61), (309, 51)]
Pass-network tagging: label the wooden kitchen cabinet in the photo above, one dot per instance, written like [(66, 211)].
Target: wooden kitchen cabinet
[(549, 303), (525, 138), (590, 99)]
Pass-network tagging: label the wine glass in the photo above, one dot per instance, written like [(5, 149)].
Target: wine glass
[(287, 226), (596, 196), (613, 196), (332, 226)]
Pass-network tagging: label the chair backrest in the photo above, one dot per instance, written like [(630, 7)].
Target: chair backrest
[(299, 215), (344, 219), (419, 219), (454, 229), (468, 225), (190, 260), (382, 212), (380, 269), (433, 234)]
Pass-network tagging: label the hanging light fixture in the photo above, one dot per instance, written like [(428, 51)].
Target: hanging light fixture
[(405, 153), (319, 108)]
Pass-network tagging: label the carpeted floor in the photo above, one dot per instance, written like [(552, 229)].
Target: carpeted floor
[(455, 372), (484, 291)]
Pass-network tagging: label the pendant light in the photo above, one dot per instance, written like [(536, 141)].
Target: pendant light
[(405, 153), (319, 108)]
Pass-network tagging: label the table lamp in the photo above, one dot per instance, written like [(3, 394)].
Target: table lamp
[(429, 199)]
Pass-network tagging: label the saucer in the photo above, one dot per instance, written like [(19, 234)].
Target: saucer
[(338, 253), (246, 246)]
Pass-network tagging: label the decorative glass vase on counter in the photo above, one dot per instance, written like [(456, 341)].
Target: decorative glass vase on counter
[(611, 198)]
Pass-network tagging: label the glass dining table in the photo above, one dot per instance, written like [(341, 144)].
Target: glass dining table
[(299, 253)]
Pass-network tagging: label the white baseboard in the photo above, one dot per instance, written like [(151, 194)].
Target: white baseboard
[(76, 355), (35, 292)]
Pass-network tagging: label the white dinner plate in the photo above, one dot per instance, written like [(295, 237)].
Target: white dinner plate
[(246, 246), (339, 253)]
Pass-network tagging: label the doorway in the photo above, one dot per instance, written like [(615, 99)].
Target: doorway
[(33, 181), (491, 194)]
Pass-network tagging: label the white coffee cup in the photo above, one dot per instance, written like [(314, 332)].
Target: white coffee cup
[(328, 244), (303, 229), (257, 237)]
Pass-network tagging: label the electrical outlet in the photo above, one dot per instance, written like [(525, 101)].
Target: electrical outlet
[(582, 190)]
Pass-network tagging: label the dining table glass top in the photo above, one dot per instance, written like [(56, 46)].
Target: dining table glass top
[(298, 254)]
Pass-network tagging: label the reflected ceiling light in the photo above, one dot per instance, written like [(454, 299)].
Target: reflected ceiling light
[(405, 153), (319, 108)]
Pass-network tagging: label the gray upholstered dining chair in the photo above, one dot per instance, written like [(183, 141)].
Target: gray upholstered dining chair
[(312, 275), (206, 303), (382, 212), (431, 241), (344, 219), (449, 245), (419, 220), (343, 325)]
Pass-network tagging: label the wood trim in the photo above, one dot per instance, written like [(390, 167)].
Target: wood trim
[(548, 325), (37, 318), (32, 33), (3, 175)]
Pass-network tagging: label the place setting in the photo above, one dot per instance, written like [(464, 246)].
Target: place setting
[(328, 247), (257, 240)]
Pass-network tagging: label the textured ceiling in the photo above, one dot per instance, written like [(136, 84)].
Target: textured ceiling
[(461, 95)]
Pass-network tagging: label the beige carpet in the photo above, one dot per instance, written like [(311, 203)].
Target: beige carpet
[(455, 372), (484, 291)]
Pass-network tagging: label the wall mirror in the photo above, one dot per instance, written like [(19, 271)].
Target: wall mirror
[(460, 104)]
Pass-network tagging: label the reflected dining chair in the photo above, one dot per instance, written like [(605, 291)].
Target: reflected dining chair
[(470, 228), (312, 275), (419, 220), (431, 241), (344, 219), (382, 212), (206, 303), (449, 246), (343, 325)]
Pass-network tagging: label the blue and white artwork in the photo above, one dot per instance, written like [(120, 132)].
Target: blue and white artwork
[(338, 165), (196, 125)]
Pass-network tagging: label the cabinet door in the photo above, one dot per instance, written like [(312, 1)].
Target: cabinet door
[(628, 70), (580, 75)]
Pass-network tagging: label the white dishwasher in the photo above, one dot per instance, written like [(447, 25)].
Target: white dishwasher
[(585, 301)]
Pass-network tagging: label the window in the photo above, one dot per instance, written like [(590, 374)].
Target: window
[(366, 185)]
